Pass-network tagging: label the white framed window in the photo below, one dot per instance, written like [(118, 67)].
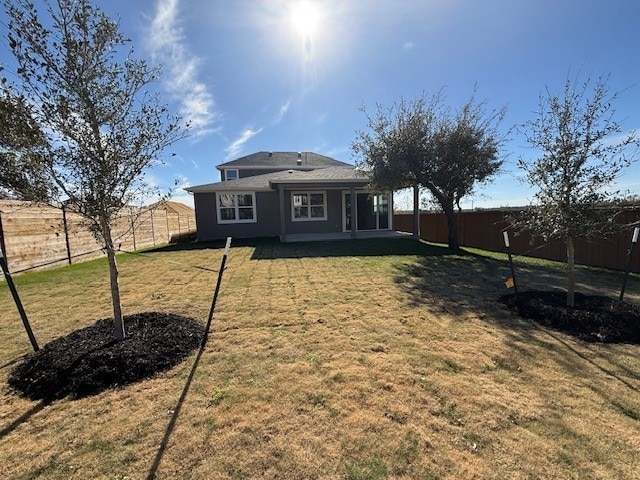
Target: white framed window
[(308, 206), (236, 207), (231, 174)]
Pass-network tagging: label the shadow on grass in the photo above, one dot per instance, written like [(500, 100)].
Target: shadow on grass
[(369, 247), (456, 277), (474, 278), (186, 246), (269, 248), (10, 363), (465, 283), (38, 407), (174, 417)]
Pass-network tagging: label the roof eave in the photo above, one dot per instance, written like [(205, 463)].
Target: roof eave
[(327, 181), (275, 168), (239, 189)]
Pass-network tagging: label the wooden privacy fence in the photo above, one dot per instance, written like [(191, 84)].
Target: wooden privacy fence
[(483, 229), (39, 236)]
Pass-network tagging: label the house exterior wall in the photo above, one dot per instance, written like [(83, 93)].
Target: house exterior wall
[(332, 224), (252, 173), (267, 214)]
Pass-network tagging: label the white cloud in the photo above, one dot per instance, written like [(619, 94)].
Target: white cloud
[(321, 117), (181, 68), (237, 145), (281, 112), (407, 46)]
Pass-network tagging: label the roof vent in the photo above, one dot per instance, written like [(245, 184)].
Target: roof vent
[(299, 161), (290, 171), (270, 154)]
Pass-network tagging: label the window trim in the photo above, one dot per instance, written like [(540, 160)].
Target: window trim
[(227, 170), (310, 219), (236, 208)]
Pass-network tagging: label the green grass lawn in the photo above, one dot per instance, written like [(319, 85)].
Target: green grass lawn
[(364, 359)]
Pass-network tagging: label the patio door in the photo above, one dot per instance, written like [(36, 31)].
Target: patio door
[(372, 211)]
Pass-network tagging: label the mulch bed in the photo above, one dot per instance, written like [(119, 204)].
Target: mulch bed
[(90, 360), (592, 319)]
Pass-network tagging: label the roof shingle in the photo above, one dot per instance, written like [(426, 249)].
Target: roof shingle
[(266, 182), (283, 160)]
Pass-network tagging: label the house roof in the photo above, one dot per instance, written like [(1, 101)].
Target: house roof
[(324, 175), (282, 161), (254, 183), (342, 175)]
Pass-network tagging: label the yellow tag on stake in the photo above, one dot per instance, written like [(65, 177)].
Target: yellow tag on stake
[(509, 282)]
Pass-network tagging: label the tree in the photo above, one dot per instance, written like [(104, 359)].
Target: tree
[(582, 153), (104, 128), (424, 144), (393, 151), (22, 151), (464, 153)]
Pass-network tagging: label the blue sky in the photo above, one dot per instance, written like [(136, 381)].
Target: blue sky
[(256, 75)]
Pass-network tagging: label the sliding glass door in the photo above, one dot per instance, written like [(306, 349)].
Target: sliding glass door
[(372, 211)]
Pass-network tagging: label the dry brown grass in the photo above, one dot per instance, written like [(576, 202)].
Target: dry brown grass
[(357, 360)]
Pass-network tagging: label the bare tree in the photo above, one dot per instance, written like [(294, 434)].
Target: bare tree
[(104, 126), (582, 153)]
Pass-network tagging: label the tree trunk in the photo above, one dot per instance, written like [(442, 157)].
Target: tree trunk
[(118, 321), (452, 224), (571, 273), (416, 212)]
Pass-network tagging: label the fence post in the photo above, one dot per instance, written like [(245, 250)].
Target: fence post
[(166, 215), (133, 232), (2, 244), (417, 218), (153, 231), (634, 241), (66, 232), (505, 236)]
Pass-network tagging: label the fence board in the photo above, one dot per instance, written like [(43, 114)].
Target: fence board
[(483, 229), (34, 235)]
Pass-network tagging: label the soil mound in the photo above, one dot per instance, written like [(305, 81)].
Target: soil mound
[(593, 319), (90, 360)]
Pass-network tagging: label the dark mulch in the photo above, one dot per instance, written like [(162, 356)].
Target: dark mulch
[(593, 319), (90, 360)]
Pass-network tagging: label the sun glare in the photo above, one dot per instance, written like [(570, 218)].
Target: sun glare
[(305, 17)]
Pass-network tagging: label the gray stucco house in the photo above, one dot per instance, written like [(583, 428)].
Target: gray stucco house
[(288, 195)]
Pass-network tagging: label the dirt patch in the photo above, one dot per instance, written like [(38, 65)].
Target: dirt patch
[(593, 319), (90, 360)]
